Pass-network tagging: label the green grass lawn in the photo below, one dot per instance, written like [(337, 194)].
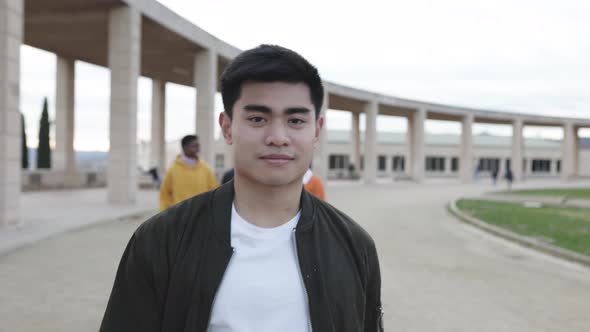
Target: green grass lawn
[(569, 192), (566, 227)]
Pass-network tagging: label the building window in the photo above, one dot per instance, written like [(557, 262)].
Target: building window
[(219, 161), (435, 164), (541, 165), (399, 164), (338, 161), (362, 162), (332, 162), (489, 164), (454, 164), (381, 161), (558, 166)]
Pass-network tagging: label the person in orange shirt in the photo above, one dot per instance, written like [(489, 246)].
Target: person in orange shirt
[(314, 185)]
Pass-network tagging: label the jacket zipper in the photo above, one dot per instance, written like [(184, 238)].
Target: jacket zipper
[(302, 278), (233, 251)]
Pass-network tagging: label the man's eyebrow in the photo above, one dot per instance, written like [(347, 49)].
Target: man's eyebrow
[(298, 110), (258, 108), (267, 110)]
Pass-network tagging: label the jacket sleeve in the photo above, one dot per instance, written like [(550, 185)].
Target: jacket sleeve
[(132, 305), (373, 309), (166, 192)]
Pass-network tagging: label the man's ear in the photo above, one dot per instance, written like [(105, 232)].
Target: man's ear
[(225, 124), (319, 125)]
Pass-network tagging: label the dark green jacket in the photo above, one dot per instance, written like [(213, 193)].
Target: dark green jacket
[(174, 263)]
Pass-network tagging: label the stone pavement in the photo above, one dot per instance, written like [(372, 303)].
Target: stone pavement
[(47, 213), (438, 274)]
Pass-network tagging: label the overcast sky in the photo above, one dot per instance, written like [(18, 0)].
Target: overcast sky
[(529, 56)]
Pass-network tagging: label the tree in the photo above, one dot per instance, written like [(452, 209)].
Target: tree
[(43, 151), (25, 152)]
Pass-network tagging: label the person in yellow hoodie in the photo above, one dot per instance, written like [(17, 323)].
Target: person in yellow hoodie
[(188, 176)]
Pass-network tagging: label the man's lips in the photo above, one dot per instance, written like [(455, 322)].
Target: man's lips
[(276, 157)]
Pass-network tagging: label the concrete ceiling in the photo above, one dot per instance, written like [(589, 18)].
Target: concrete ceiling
[(79, 29), (73, 33), (393, 110)]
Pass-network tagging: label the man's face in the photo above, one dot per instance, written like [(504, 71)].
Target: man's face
[(274, 131), (192, 149)]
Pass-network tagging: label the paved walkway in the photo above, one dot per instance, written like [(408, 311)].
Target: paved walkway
[(47, 213), (438, 274)]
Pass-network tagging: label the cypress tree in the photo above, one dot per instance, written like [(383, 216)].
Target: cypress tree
[(25, 152), (43, 151)]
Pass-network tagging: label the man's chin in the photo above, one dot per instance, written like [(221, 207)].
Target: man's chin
[(274, 180)]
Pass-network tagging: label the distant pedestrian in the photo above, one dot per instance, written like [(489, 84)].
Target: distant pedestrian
[(188, 176), (352, 171), (509, 178), (494, 176), (155, 176)]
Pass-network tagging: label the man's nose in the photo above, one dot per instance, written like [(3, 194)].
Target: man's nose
[(277, 135)]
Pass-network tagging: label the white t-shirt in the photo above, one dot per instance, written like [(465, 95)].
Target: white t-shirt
[(262, 288)]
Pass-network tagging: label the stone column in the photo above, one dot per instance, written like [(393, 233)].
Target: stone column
[(502, 168), (355, 136), (320, 158), (466, 157), (517, 150), (528, 166), (124, 61), (11, 37), (158, 141), (553, 167), (206, 85), (370, 171), (416, 144), (64, 155), (569, 150), (447, 162)]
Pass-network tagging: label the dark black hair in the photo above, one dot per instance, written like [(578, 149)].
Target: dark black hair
[(188, 139), (269, 63)]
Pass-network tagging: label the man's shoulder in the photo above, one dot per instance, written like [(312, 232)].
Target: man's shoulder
[(175, 219), (174, 167), (204, 166)]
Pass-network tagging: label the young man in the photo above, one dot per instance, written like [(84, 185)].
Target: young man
[(259, 253), (188, 176)]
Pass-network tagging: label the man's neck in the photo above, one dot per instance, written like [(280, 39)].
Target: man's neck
[(266, 206), (190, 161)]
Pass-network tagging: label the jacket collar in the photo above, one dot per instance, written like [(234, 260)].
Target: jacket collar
[(221, 203)]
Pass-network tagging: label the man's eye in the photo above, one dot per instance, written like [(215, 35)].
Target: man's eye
[(256, 119), (296, 121)]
